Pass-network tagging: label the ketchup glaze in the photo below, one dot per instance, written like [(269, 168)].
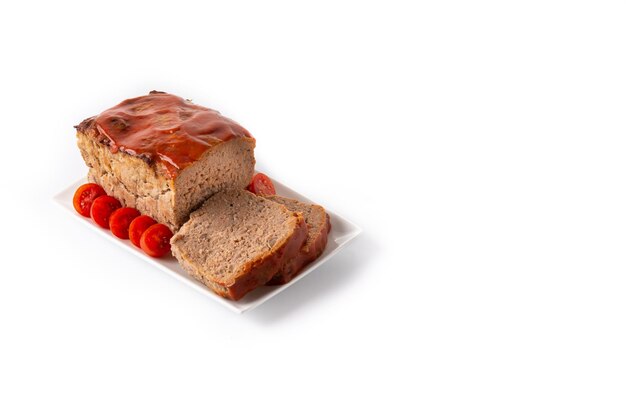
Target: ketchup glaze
[(161, 127)]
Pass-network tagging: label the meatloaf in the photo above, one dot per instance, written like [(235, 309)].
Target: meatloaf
[(318, 226), (237, 241), (164, 155)]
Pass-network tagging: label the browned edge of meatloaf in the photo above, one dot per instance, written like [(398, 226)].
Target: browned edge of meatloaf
[(262, 270), (294, 265)]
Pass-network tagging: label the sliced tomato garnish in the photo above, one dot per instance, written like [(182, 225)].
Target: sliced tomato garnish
[(120, 220), (156, 240), (102, 208), (137, 227), (261, 185), (84, 197)]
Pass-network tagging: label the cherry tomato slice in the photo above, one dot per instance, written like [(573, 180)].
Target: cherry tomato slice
[(102, 208), (261, 185), (137, 227), (84, 196), (120, 220), (156, 240)]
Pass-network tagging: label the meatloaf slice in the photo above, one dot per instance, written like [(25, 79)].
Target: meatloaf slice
[(164, 155), (318, 225), (237, 241)]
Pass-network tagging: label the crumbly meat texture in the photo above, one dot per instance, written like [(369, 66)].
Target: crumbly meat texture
[(318, 226), (146, 185), (238, 241)]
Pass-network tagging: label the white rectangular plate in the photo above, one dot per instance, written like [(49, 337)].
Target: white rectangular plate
[(342, 231)]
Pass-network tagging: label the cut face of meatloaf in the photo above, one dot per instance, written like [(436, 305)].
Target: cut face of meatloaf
[(164, 155), (237, 241), (318, 225)]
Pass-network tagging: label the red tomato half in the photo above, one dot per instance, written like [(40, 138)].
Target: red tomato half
[(156, 240), (261, 185), (120, 220), (102, 208), (137, 227), (84, 196)]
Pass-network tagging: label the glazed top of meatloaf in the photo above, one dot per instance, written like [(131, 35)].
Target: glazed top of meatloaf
[(161, 127)]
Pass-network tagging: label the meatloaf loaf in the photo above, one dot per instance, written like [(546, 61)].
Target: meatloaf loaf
[(237, 241), (164, 155)]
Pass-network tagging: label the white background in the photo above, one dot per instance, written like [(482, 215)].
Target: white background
[(480, 145)]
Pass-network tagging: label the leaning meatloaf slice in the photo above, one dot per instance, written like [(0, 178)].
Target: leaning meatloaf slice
[(318, 225), (164, 155), (238, 241)]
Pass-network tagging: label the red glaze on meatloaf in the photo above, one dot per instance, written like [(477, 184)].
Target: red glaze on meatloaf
[(164, 128)]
